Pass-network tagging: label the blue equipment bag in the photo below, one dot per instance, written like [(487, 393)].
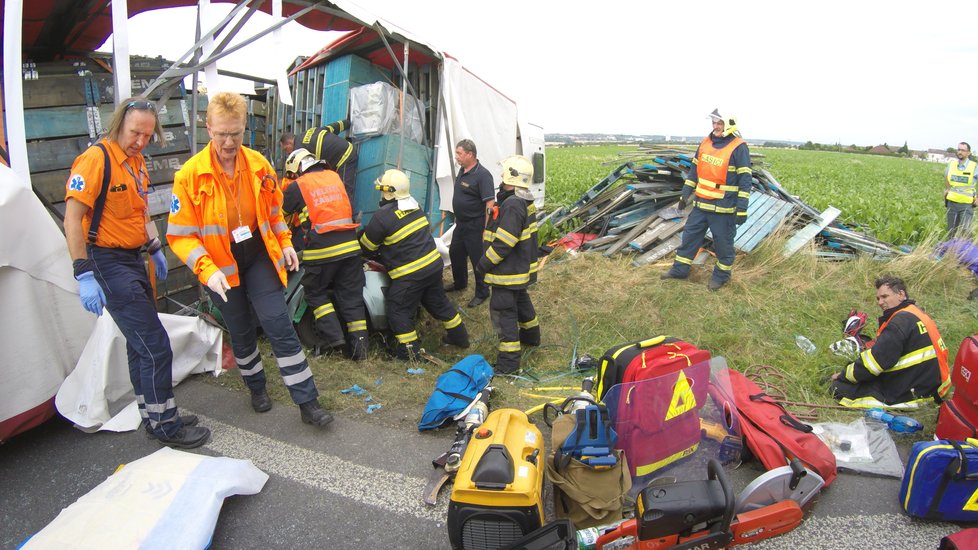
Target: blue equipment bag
[(454, 390), (941, 481)]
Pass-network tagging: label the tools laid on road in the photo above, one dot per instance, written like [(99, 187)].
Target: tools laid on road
[(498, 491), (447, 463), (699, 514)]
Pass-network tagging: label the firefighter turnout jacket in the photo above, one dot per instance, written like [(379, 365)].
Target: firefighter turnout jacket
[(319, 198), (720, 178), (961, 182), (199, 231), (510, 240), (324, 144), (403, 239), (909, 357)]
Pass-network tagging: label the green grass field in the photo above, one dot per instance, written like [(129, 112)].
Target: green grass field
[(587, 303)]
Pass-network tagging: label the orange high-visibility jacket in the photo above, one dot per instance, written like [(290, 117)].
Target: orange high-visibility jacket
[(198, 229)]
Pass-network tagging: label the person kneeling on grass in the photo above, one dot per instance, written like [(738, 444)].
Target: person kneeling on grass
[(907, 364), (400, 234)]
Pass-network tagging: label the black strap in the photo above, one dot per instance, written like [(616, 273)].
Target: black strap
[(787, 419), (100, 201), (951, 471)]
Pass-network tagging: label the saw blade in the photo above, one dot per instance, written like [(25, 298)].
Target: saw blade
[(774, 486), (435, 482)]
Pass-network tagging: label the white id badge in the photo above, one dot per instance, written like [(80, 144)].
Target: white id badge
[(151, 231), (241, 234)]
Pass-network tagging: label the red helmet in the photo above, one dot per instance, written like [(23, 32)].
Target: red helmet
[(854, 323)]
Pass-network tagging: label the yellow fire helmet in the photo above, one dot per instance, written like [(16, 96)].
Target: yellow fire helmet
[(517, 171), (394, 185), (729, 122), (299, 161)]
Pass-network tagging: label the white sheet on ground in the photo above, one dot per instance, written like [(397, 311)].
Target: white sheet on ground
[(169, 499), (98, 395), (44, 326)]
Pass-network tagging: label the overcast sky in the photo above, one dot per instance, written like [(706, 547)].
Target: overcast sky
[(863, 72)]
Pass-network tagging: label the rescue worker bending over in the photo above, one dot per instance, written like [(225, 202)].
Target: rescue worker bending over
[(720, 181), (339, 154), (907, 364), (331, 255), (226, 224), (509, 264), (399, 232)]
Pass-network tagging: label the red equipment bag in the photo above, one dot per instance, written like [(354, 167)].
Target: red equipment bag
[(957, 418), (646, 358), (964, 375), (654, 390), (772, 434), (962, 540)]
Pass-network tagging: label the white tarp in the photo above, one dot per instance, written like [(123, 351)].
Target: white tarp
[(98, 395), (43, 327), (169, 499), (473, 110)]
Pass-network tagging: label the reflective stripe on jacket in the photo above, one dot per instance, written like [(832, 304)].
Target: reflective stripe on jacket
[(404, 242), (961, 182), (325, 213), (198, 232), (721, 176)]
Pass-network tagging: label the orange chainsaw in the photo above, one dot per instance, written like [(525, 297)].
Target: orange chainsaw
[(703, 514)]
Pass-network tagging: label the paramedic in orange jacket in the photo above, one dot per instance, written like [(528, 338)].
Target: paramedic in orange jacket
[(108, 262), (226, 224)]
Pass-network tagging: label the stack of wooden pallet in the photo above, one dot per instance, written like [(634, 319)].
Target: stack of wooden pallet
[(632, 211)]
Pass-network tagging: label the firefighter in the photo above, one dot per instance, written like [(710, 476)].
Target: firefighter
[(906, 364), (339, 154), (226, 224), (720, 182), (399, 232), (331, 255), (509, 264), (107, 253)]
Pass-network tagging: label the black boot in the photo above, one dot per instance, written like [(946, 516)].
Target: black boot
[(260, 401), (359, 347), (407, 352), (312, 413), (187, 437), (185, 419), (457, 336), (530, 337)]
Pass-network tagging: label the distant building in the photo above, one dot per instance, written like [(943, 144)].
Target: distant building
[(881, 150), (938, 155)]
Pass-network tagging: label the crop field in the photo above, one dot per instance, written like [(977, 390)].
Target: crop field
[(898, 200)]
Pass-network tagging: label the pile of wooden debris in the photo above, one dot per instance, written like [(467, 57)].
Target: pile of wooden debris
[(633, 211)]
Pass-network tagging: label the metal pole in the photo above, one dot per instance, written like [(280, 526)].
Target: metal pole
[(193, 95), (404, 82), (13, 86), (120, 50)]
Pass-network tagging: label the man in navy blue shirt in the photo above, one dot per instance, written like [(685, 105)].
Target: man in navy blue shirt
[(474, 195)]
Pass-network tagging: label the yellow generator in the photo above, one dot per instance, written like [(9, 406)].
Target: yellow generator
[(498, 491)]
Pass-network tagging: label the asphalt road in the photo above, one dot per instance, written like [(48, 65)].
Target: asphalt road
[(357, 484)]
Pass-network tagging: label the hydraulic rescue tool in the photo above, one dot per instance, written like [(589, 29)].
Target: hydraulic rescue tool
[(447, 463)]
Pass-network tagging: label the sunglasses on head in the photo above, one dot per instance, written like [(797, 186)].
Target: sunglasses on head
[(141, 105)]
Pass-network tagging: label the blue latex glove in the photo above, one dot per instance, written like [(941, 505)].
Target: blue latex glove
[(92, 297), (159, 260)]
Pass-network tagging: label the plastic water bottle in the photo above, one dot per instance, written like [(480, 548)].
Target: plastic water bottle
[(900, 424), (805, 344)]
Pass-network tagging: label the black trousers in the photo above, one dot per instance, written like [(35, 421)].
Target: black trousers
[(515, 322), (403, 298), (467, 245), (347, 280)]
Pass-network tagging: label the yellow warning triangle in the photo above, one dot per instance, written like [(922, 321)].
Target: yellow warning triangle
[(683, 399), (972, 504)]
